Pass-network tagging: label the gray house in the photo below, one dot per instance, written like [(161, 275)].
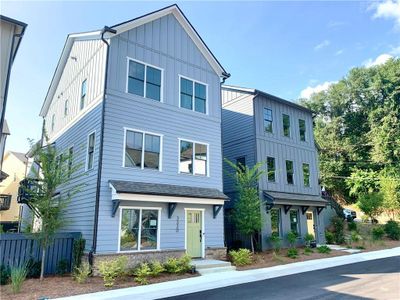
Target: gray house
[(259, 127), (139, 106)]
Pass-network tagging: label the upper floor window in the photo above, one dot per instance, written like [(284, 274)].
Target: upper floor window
[(90, 151), (142, 150), (70, 160), (53, 117), (302, 130), (271, 169), (306, 175), (286, 125), (241, 163), (289, 172), (144, 80), (193, 158), (83, 94), (267, 120), (193, 95), (66, 108)]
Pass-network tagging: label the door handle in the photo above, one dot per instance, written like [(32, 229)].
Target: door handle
[(201, 235)]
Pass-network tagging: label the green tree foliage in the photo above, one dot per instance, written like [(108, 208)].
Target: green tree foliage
[(357, 127), (390, 188), (371, 204), (247, 210)]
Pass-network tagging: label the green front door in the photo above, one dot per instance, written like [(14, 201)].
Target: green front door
[(194, 235)]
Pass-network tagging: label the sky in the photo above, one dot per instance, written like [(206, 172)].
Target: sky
[(288, 49)]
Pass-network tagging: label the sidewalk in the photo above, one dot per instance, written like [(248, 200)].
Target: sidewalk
[(213, 281)]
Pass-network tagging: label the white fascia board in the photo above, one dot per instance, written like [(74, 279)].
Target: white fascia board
[(163, 199)]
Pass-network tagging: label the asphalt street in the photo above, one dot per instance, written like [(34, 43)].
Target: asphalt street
[(375, 279)]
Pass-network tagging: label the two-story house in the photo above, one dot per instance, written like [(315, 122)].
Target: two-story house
[(259, 127), (138, 104)]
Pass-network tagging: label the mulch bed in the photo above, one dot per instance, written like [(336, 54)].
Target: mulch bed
[(268, 259), (62, 286)]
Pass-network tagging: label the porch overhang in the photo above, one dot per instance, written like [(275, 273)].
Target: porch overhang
[(290, 199)]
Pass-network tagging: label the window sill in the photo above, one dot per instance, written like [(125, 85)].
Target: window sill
[(193, 175), (139, 251), (143, 169)]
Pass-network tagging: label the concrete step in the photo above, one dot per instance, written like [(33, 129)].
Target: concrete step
[(210, 263), (207, 271)]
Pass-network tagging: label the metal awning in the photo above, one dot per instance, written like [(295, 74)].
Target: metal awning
[(277, 198)]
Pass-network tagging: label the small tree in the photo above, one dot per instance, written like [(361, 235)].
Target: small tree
[(247, 210), (371, 204), (390, 188), (45, 196)]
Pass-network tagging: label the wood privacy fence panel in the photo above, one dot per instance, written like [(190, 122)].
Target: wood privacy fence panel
[(18, 248)]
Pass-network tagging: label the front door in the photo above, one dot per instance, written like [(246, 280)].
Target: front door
[(194, 234), (310, 223)]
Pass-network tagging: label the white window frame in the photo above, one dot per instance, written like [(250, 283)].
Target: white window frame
[(272, 120), (87, 150), (128, 59), (161, 136), (140, 228), (80, 98), (203, 239), (179, 157), (193, 90)]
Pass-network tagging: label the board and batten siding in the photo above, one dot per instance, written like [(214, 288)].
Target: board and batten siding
[(283, 148), (86, 61), (164, 44), (238, 134)]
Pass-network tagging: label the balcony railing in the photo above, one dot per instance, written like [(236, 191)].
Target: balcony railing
[(26, 187), (5, 202)]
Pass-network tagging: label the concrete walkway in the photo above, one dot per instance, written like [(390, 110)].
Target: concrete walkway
[(213, 281), (344, 249)]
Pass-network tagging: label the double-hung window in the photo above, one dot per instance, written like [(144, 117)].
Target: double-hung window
[(289, 172), (139, 229), (286, 125), (302, 130), (267, 120), (294, 221), (306, 175), (83, 94), (90, 151), (271, 169), (142, 149), (193, 158), (193, 95), (144, 80)]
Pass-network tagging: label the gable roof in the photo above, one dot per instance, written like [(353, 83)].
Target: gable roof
[(256, 92), (20, 156), (125, 26)]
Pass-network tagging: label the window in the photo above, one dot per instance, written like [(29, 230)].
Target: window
[(276, 221), (66, 108), (144, 80), (142, 150), (241, 163), (289, 172), (70, 158), (286, 125), (193, 95), (306, 175), (83, 94), (139, 229), (90, 151), (294, 221), (53, 122), (267, 120), (193, 158), (271, 169), (302, 130)]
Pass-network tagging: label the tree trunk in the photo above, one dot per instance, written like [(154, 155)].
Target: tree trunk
[(42, 264), (252, 243)]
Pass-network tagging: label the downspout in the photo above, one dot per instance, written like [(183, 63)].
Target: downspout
[(98, 186)]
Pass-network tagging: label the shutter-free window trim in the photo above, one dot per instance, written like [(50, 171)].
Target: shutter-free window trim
[(271, 169), (196, 158), (286, 125), (268, 119), (197, 92), (302, 130), (306, 174), (83, 94), (289, 172), (90, 151)]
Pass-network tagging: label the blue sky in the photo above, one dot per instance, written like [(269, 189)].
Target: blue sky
[(284, 48)]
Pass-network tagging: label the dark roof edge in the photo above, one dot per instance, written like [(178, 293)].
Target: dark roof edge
[(11, 20)]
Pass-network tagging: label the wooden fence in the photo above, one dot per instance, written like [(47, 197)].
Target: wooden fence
[(18, 248)]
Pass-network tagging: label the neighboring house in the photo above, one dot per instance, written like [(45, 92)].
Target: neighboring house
[(15, 166), (258, 127), (11, 33), (141, 112)]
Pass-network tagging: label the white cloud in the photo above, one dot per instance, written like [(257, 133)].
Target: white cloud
[(380, 60), (388, 10), (339, 52), (321, 45), (395, 51), (309, 91)]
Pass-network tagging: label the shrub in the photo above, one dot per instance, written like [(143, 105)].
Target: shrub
[(62, 267), (292, 253), (308, 238), (77, 251), (378, 233), (18, 276), (241, 257), (276, 241), (33, 268), (291, 238), (5, 274), (178, 266), (392, 230), (156, 268), (338, 226), (142, 273), (112, 269), (352, 226), (308, 251), (330, 238), (324, 249), (355, 237), (82, 272)]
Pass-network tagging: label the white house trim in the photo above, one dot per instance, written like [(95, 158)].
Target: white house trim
[(87, 149), (208, 157)]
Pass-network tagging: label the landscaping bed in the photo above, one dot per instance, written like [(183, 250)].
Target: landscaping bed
[(62, 286)]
